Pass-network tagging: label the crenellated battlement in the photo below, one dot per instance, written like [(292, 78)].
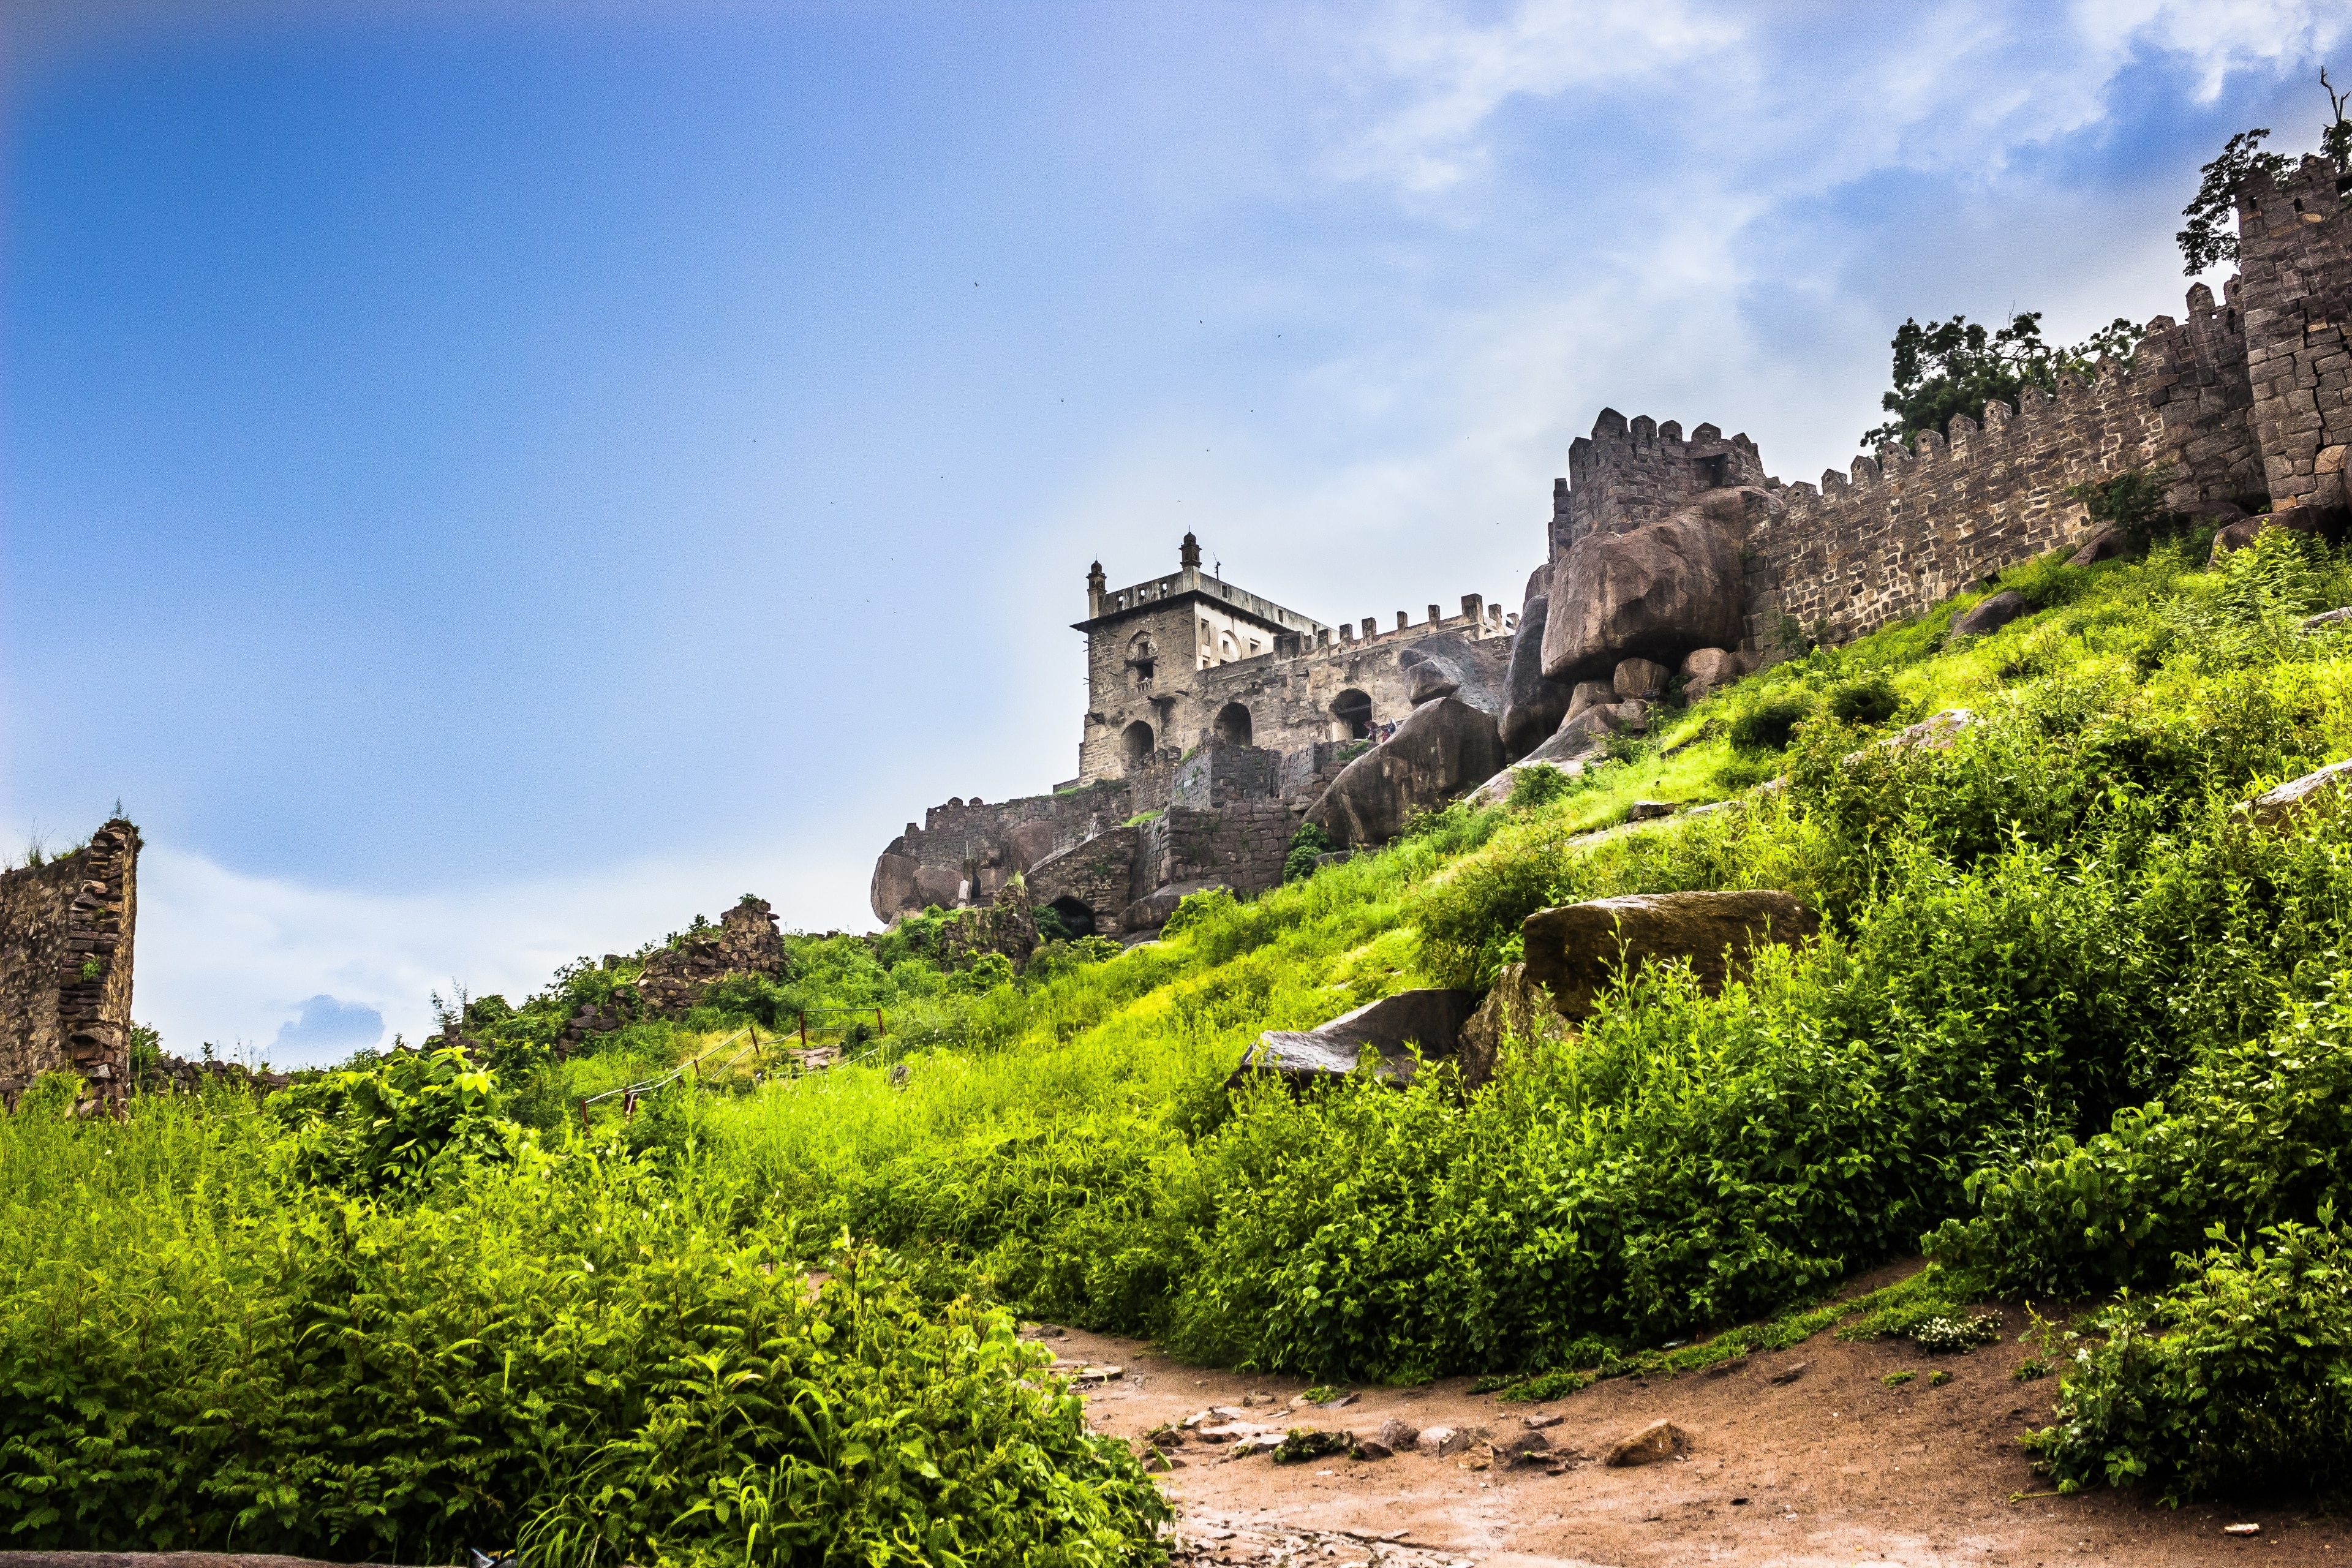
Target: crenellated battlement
[(1631, 472)]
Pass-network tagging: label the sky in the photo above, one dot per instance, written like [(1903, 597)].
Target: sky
[(481, 484)]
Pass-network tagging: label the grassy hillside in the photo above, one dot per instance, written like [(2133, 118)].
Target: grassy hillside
[(2074, 1025)]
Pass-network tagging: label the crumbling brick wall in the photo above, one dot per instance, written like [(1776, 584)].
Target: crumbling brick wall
[(65, 965)]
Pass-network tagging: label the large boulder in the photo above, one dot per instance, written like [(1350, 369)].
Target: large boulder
[(1655, 592), (1431, 1019), (1450, 665), (1516, 1008), (1988, 615), (1575, 951), (1427, 683), (1711, 669), (1533, 706), (1645, 678), (1441, 750), (1588, 694), (892, 891)]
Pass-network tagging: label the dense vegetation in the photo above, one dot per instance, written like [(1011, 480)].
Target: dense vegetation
[(2075, 1024)]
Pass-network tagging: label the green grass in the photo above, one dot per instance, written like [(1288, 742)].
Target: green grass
[(2053, 933)]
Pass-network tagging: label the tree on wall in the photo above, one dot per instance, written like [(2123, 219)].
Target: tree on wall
[(1958, 366), (2211, 236)]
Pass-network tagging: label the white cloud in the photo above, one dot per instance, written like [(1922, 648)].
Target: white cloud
[(1456, 74), (242, 961)]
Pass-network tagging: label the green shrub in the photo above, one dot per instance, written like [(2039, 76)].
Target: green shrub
[(1538, 784), (574, 1354), (1870, 700), (1769, 723), (2233, 1382), (373, 1130), (1308, 843)]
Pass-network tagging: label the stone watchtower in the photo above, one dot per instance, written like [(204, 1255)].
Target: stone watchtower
[(1145, 643)]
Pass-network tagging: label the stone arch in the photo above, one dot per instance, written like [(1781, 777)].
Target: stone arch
[(1075, 917), (1352, 716), (1135, 743), (1232, 724)]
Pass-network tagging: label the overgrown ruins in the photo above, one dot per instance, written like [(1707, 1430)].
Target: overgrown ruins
[(1218, 721)]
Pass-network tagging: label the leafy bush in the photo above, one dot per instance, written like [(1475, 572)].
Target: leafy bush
[(1305, 843), (374, 1131), (1870, 700), (2235, 1381), (1538, 784), (1769, 723), (571, 1353)]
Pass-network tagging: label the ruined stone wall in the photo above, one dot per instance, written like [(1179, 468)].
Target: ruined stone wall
[(966, 851), (1903, 533), (1099, 874), (746, 943), (1241, 845), (2295, 263), (66, 964)]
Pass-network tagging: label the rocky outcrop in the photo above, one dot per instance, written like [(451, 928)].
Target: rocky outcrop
[(1656, 592), (1533, 705), (1516, 1008), (1429, 1019), (1574, 951), (1442, 749)]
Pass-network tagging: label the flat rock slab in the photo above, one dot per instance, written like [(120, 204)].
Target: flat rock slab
[(1576, 950), (1431, 1018), (2275, 806)]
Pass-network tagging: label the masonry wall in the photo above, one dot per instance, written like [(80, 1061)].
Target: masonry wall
[(2295, 263), (1631, 472), (1290, 697), (1241, 845), (66, 933)]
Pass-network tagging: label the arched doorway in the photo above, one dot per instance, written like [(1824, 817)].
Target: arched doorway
[(1232, 724), (1076, 917), (1137, 743), (1352, 716)]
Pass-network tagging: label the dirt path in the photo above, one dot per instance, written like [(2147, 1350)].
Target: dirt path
[(1831, 1468)]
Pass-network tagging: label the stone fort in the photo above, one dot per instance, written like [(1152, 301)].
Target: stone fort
[(1218, 721)]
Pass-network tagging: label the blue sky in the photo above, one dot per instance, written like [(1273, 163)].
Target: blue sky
[(485, 483)]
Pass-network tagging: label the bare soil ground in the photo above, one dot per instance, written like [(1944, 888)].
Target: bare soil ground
[(1832, 1467)]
